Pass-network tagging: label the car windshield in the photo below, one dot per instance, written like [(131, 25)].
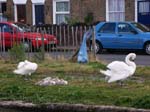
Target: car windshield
[(24, 27), (17, 27), (141, 27)]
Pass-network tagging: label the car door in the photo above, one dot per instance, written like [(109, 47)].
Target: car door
[(107, 35), (128, 37)]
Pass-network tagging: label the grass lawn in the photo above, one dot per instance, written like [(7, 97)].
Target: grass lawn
[(86, 85)]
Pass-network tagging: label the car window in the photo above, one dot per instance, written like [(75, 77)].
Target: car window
[(108, 28), (17, 27), (141, 27), (125, 28), (5, 28)]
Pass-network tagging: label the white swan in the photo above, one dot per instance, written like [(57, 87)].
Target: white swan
[(26, 68), (118, 70)]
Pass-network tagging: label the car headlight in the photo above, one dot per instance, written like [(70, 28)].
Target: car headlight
[(39, 38)]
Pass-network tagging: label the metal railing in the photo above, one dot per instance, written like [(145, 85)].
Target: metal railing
[(69, 40)]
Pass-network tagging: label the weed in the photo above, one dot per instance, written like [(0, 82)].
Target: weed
[(17, 53)]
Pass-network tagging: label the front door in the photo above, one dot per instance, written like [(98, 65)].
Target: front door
[(21, 13), (144, 12), (39, 14)]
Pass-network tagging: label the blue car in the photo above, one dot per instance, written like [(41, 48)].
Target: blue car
[(122, 35)]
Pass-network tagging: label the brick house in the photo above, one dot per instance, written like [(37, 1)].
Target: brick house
[(55, 11)]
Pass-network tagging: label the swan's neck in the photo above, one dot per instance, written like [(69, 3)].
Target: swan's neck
[(130, 63)]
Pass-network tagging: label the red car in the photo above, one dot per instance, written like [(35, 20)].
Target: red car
[(10, 34)]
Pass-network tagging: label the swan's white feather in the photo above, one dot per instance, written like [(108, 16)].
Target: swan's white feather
[(21, 64), (119, 67), (118, 70), (116, 77), (26, 68), (106, 72)]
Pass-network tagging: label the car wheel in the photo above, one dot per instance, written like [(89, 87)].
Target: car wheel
[(98, 47), (147, 48)]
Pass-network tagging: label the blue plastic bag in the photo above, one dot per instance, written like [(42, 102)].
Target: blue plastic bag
[(83, 55)]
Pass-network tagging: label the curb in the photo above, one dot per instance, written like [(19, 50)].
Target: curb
[(57, 107)]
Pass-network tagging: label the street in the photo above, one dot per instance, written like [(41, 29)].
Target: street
[(141, 59)]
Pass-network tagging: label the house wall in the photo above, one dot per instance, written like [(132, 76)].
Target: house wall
[(78, 10), (10, 10), (29, 12), (129, 10), (48, 11)]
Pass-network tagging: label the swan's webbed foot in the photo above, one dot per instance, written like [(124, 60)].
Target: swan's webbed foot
[(26, 77), (120, 83), (107, 78)]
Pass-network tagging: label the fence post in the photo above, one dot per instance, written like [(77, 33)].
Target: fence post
[(42, 47), (93, 42), (64, 39), (76, 36)]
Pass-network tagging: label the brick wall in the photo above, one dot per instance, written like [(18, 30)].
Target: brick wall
[(10, 10), (80, 9), (129, 10), (29, 12), (48, 11)]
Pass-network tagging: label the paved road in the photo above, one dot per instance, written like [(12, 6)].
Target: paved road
[(141, 60)]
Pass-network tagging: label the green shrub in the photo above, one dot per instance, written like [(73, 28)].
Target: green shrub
[(17, 53), (89, 18), (71, 21)]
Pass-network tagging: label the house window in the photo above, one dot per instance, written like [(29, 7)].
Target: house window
[(144, 7), (61, 11), (115, 10)]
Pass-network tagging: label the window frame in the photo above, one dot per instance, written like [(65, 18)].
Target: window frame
[(108, 12), (15, 8), (55, 12)]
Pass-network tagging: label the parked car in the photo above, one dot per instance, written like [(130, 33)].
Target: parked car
[(10, 34), (25, 27), (122, 35)]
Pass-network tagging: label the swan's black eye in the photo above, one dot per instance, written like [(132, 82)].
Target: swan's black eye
[(132, 58)]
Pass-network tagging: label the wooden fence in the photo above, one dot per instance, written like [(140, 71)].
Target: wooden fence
[(68, 36)]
